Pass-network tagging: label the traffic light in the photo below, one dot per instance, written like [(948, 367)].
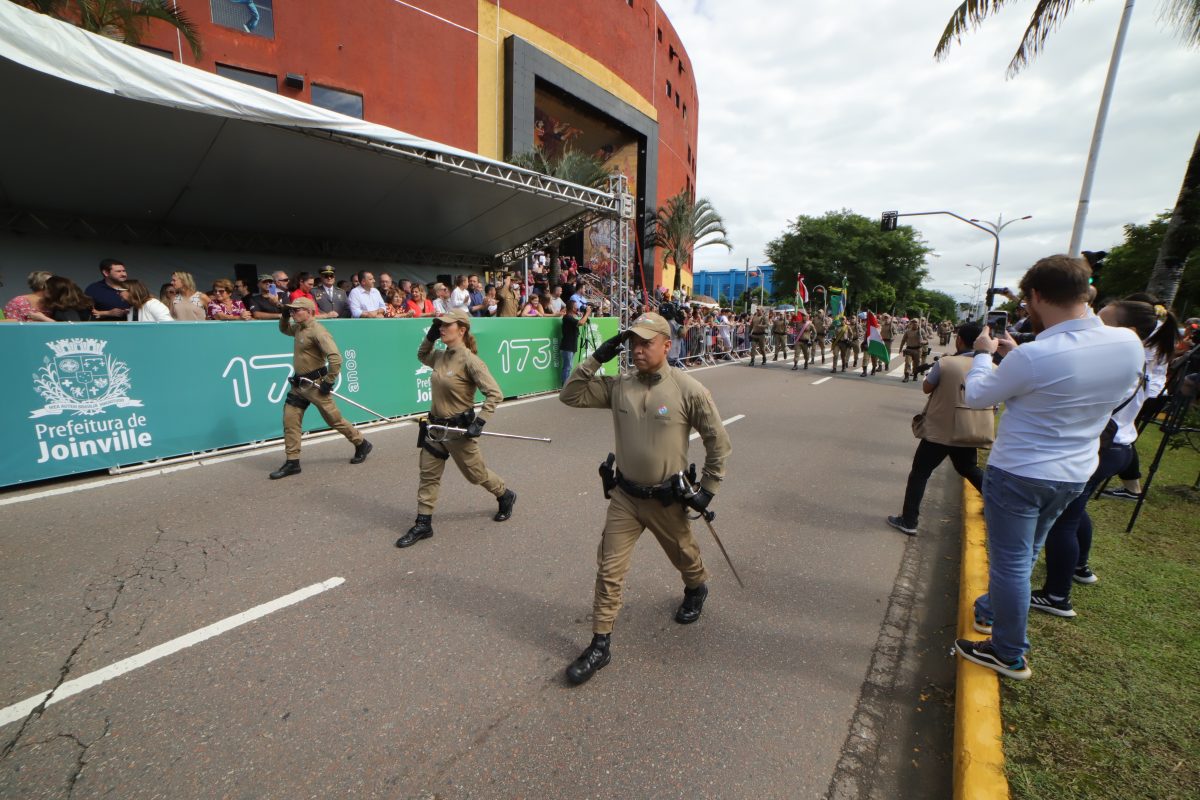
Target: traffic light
[(1095, 260), (888, 222)]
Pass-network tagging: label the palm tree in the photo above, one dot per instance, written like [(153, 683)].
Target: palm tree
[(572, 166), (1183, 232), (122, 20), (682, 226)]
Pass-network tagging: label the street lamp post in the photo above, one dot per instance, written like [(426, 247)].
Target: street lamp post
[(995, 228), (976, 299)]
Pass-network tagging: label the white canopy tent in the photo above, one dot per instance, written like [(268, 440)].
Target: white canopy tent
[(96, 128)]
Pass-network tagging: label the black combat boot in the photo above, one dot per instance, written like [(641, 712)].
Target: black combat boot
[(692, 605), (864, 372), (595, 657), (422, 529), (360, 451), (506, 501), (290, 467)]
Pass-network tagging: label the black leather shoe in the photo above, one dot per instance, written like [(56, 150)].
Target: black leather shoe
[(423, 529), (506, 500), (289, 467), (594, 658), (692, 605), (361, 451)]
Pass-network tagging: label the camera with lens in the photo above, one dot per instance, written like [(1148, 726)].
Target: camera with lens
[(671, 311)]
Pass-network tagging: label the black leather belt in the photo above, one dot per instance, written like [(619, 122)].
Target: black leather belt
[(663, 492)]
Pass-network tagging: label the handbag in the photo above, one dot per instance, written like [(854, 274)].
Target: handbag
[(918, 425), (974, 427)]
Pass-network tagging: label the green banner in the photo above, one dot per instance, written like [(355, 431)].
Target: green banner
[(91, 396)]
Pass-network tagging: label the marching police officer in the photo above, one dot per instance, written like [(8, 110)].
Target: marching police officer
[(458, 372), (856, 338), (887, 331), (654, 409), (758, 337), (912, 345), (779, 331), (821, 329), (843, 337), (315, 357), (804, 340)]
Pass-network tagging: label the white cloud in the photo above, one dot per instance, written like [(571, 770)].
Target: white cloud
[(826, 104)]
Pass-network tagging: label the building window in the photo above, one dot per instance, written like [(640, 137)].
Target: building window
[(669, 89), (157, 51), (671, 52), (660, 35), (346, 103), (260, 80), (685, 110), (681, 66), (677, 99), (256, 17), (689, 154)]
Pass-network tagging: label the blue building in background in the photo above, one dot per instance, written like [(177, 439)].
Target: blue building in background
[(730, 283)]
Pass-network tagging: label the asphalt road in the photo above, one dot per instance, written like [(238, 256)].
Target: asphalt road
[(437, 671)]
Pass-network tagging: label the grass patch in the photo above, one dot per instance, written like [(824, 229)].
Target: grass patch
[(1113, 709)]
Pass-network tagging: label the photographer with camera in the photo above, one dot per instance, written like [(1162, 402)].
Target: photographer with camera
[(654, 409), (1059, 392), (946, 428), (568, 340), (458, 373)]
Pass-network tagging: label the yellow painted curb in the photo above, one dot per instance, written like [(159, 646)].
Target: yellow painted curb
[(978, 750)]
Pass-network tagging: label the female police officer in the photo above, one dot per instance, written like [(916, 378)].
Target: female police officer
[(457, 373)]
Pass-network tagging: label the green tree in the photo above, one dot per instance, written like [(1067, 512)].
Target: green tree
[(682, 226), (572, 166), (1130, 264), (845, 244), (1182, 238), (122, 20), (938, 305)]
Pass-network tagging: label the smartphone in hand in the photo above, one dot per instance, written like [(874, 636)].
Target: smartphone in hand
[(998, 322)]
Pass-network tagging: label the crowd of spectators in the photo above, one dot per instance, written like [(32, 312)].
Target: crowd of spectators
[(118, 297)]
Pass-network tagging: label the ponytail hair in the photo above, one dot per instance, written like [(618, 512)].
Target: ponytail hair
[(1163, 337), (468, 339)]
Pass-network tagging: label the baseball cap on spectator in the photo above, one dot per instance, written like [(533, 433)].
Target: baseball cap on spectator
[(649, 325), (303, 302), (328, 270), (266, 278), (456, 315)]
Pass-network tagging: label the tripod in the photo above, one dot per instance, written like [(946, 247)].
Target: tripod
[(587, 340), (1175, 413)]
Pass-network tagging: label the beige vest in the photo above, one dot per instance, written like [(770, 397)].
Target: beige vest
[(948, 396)]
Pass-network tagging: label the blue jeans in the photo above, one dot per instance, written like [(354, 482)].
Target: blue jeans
[(1019, 513), (568, 363)]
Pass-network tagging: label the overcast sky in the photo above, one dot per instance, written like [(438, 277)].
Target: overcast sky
[(826, 104)]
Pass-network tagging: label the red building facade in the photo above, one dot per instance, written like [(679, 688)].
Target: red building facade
[(609, 76)]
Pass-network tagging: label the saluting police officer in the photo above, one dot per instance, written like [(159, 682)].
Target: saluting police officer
[(654, 409), (315, 357), (758, 337), (458, 372), (779, 331)]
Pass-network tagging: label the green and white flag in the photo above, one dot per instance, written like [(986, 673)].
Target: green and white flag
[(875, 343)]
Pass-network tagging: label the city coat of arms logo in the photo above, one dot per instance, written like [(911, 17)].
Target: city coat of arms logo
[(81, 379)]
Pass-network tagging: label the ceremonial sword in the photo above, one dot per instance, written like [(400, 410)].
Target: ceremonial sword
[(708, 517), (311, 382)]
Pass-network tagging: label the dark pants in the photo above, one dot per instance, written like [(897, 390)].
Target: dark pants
[(927, 458), (1069, 542)]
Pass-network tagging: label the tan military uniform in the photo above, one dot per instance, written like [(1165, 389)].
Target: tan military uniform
[(805, 333), (887, 332), (779, 329), (820, 328), (758, 337), (856, 340), (313, 349), (457, 374), (507, 304), (912, 344), (653, 414)]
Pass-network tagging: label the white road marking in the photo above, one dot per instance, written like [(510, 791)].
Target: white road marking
[(71, 688), (897, 371), (730, 421), (818, 383)]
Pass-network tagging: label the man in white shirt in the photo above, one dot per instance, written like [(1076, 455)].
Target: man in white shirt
[(365, 300), (1059, 391), (558, 306)]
